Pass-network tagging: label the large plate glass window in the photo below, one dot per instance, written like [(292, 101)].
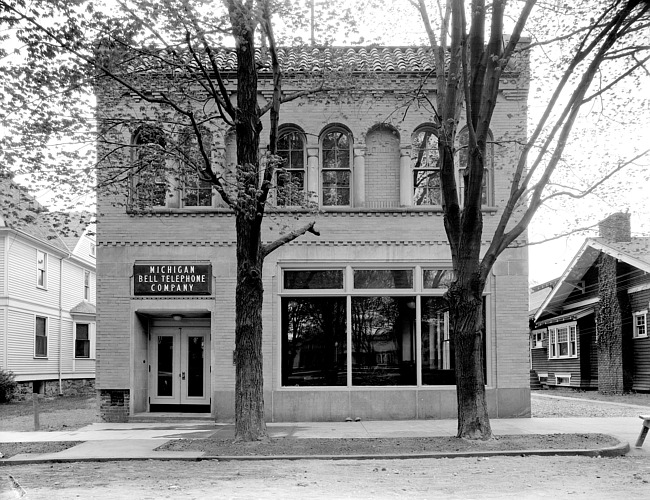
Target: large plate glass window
[(383, 341), (367, 326), (437, 348), (314, 341)]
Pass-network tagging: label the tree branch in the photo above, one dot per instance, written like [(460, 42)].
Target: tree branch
[(270, 247)]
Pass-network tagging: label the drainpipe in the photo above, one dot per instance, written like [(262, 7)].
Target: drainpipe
[(61, 322)]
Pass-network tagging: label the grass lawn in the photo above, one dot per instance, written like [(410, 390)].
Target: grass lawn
[(55, 413), (632, 398)]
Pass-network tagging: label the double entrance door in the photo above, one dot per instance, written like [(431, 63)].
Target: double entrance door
[(180, 369)]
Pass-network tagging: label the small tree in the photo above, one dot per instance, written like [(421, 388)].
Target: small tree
[(8, 386), (471, 47)]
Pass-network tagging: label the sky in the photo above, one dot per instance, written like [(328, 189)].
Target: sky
[(602, 137)]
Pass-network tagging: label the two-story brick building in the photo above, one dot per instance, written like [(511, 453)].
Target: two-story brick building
[(354, 320), (47, 297)]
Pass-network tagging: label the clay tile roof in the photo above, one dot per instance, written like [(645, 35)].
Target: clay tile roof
[(311, 59)]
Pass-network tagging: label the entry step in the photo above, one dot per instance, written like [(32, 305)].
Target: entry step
[(171, 417)]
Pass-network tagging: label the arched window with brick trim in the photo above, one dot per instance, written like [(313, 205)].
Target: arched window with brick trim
[(148, 171), (336, 167), (290, 176), (426, 167), (487, 198)]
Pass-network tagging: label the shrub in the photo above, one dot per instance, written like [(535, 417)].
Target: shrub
[(7, 386)]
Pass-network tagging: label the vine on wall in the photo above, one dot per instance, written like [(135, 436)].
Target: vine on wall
[(609, 331)]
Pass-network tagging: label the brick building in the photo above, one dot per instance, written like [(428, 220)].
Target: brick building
[(354, 322)]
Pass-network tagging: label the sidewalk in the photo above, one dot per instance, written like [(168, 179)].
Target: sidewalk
[(138, 441)]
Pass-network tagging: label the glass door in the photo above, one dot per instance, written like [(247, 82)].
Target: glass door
[(180, 367), (194, 366)]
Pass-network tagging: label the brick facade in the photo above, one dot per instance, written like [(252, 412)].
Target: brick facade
[(381, 228)]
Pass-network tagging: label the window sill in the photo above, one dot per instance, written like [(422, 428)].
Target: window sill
[(297, 210), (40, 357), (640, 337), (564, 357), (292, 388)]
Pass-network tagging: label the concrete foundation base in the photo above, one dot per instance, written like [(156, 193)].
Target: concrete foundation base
[(383, 404)]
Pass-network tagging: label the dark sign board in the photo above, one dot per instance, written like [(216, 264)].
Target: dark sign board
[(172, 279)]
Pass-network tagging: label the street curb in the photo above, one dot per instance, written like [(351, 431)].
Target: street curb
[(613, 451)]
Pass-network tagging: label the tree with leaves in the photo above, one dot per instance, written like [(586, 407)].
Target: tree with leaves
[(127, 49), (472, 46), (180, 37)]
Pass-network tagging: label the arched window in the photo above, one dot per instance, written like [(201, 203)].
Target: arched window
[(290, 177), (336, 167), (148, 174), (426, 168), (463, 139), (195, 186)]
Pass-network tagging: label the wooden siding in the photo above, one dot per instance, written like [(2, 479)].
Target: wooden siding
[(539, 356), (593, 358), (22, 278), (82, 250), (3, 338), (641, 364), (67, 346), (73, 289), (20, 346), (3, 264), (567, 365), (641, 347), (65, 287)]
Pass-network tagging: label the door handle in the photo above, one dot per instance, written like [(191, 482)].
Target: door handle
[(183, 376)]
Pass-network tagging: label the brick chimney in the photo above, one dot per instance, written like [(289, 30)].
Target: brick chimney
[(616, 227)]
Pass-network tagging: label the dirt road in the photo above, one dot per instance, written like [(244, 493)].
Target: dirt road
[(508, 477)]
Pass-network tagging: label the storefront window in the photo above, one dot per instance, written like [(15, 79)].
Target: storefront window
[(437, 350), (314, 348), (367, 327), (383, 347)]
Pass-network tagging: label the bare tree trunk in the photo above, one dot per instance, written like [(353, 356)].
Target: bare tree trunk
[(249, 395), (466, 330)]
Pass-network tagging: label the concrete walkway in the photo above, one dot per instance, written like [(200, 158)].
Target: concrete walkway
[(137, 441)]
